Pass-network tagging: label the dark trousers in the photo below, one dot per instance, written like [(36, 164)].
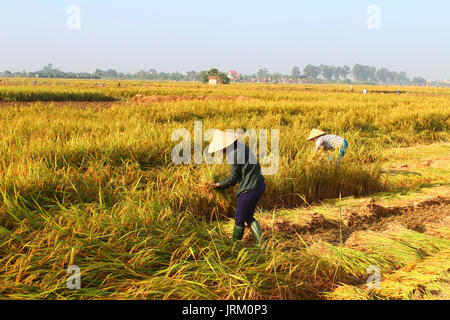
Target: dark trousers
[(246, 206)]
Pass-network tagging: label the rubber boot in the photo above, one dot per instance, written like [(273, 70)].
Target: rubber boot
[(238, 233), (257, 233)]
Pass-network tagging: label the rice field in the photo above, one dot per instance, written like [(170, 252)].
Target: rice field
[(87, 179)]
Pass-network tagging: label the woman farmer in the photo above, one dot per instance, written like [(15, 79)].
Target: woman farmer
[(246, 171), (328, 142)]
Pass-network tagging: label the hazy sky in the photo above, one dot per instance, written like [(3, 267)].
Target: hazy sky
[(245, 35)]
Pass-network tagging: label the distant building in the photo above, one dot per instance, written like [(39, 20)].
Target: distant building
[(213, 80), (233, 75)]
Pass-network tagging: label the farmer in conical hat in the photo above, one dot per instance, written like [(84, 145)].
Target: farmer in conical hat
[(246, 171), (328, 142)]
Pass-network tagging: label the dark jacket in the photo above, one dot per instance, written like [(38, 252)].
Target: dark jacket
[(244, 168)]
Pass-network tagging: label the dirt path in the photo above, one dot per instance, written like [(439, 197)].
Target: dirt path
[(436, 155), (369, 215), (337, 221)]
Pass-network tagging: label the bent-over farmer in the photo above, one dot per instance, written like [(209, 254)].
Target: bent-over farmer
[(246, 171), (328, 142)]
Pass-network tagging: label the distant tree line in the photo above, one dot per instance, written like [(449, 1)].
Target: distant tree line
[(310, 73), (341, 74), (49, 71)]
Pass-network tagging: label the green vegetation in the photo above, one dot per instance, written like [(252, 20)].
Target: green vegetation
[(221, 77)]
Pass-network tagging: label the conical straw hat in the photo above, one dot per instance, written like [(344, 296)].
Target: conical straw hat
[(315, 134), (221, 140)]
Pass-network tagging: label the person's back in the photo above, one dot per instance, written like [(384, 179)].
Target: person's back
[(329, 142), (245, 169)]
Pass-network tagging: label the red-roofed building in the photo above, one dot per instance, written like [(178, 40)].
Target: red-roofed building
[(233, 75), (213, 80)]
